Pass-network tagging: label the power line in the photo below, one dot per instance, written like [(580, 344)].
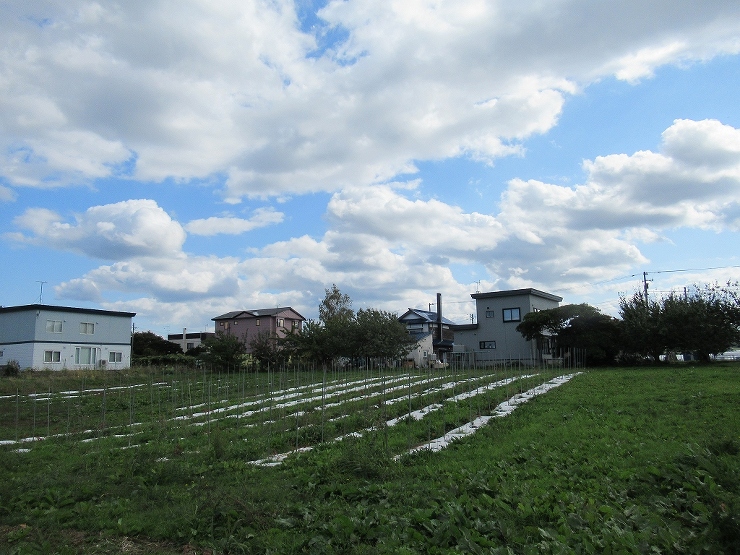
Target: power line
[(692, 269), (642, 275)]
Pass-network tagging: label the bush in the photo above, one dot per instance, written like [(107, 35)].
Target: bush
[(11, 369)]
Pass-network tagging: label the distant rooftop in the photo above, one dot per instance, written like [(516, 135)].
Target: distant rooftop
[(427, 316), (255, 313), (24, 308), (517, 293)]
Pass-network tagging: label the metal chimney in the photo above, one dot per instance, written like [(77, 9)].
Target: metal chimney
[(439, 316)]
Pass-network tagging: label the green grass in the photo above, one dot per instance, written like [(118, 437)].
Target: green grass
[(615, 461)]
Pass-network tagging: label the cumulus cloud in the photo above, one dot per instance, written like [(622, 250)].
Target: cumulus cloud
[(123, 230), (388, 247), (694, 180), (229, 225), (187, 90), (173, 280)]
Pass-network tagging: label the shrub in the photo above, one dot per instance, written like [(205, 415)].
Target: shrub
[(11, 369)]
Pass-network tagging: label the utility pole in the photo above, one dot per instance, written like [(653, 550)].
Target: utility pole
[(645, 285)]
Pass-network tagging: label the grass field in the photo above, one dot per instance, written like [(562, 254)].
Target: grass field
[(613, 461)]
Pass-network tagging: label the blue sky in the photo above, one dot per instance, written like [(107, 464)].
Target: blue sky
[(181, 160)]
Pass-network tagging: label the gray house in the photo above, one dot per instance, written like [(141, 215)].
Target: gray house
[(58, 337), (494, 336)]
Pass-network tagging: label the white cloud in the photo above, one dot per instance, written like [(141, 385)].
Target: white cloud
[(123, 230), (6, 194), (190, 89), (389, 251), (694, 181), (182, 279), (234, 226)]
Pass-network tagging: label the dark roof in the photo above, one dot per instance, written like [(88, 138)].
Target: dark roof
[(517, 293), (255, 313), (418, 335), (444, 343), (28, 307), (425, 316), (232, 315), (272, 311), (464, 327)]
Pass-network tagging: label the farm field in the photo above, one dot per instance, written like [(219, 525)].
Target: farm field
[(496, 460)]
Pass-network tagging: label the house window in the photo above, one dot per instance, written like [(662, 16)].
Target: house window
[(87, 328), (294, 324), (511, 315), (490, 313), (115, 356), (2, 353), (426, 354), (85, 355), (257, 322), (54, 326), (487, 345), (52, 356), (281, 323), (190, 346)]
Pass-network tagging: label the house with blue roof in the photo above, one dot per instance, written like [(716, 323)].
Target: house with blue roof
[(433, 334)]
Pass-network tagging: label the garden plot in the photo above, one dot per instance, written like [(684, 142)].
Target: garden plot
[(296, 417), (503, 409), (419, 414)]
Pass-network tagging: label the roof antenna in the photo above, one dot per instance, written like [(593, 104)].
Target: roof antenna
[(41, 294)]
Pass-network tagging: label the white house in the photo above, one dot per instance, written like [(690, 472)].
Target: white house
[(494, 336), (422, 354), (188, 341), (432, 332), (58, 337)]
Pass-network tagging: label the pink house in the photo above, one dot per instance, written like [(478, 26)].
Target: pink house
[(248, 324)]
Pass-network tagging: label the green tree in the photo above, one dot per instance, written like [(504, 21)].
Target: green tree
[(314, 343), (705, 322), (148, 344), (224, 352), (379, 334), (335, 306), (267, 349), (643, 332), (578, 326), (340, 333)]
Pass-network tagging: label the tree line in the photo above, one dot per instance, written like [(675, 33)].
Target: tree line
[(340, 333), (703, 322)]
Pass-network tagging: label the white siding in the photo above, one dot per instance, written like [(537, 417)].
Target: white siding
[(27, 333)]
